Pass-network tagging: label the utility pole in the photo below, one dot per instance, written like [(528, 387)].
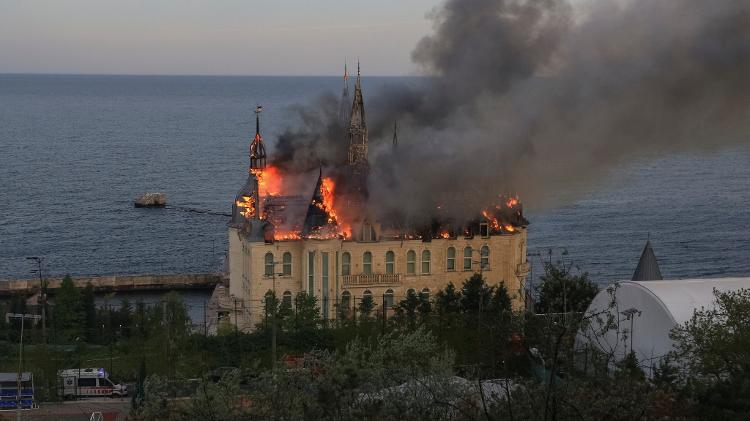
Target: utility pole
[(236, 327), (42, 293), (384, 310)]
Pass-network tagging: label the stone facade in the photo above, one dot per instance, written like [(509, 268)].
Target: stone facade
[(320, 267)]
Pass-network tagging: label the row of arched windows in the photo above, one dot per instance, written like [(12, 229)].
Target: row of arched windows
[(270, 264), (424, 263), (390, 262), (388, 300)]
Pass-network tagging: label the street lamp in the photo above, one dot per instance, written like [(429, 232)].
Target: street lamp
[(23, 317), (43, 293), (273, 314), (479, 262), (630, 315)]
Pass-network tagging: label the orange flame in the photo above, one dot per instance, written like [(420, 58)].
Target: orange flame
[(247, 204), (494, 223), (269, 180), (509, 228), (286, 235)]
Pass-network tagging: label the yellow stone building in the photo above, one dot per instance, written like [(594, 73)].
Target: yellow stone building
[(290, 244), (340, 272)]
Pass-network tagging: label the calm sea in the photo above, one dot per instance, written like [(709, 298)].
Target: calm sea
[(76, 150)]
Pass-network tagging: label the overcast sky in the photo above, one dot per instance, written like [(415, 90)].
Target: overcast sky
[(218, 37)]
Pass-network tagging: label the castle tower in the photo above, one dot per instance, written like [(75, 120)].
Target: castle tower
[(357, 130), (246, 205)]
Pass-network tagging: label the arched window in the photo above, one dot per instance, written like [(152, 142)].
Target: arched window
[(287, 299), (367, 263), (367, 294), (425, 262), (287, 264), (388, 298), (425, 294), (268, 260), (411, 262), (390, 262), (485, 260), (346, 300), (450, 259), (467, 258), (346, 263)]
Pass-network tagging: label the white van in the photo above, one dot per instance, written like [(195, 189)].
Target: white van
[(87, 382)]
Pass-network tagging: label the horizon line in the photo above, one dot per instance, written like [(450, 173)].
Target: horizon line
[(192, 74)]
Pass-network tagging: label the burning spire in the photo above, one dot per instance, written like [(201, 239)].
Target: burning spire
[(357, 131), (257, 150)]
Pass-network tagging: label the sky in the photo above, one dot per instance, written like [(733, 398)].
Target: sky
[(217, 37)]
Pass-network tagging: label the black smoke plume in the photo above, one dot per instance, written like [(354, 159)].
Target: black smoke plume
[(528, 95)]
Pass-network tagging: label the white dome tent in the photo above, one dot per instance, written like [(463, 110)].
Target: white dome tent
[(650, 310)]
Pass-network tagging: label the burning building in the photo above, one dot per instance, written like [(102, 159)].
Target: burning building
[(315, 232)]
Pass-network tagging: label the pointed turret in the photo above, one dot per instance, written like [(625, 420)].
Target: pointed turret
[(344, 105), (648, 267), (316, 216), (357, 131), (257, 149)]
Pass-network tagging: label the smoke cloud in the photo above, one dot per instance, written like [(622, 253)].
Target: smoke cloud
[(525, 96)]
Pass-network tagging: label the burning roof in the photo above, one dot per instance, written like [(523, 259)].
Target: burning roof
[(278, 204)]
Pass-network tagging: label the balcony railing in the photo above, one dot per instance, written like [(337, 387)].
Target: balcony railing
[(523, 269), (371, 279)]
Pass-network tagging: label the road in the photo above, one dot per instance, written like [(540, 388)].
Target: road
[(114, 408)]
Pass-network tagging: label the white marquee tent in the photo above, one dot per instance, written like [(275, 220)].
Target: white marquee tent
[(651, 309)]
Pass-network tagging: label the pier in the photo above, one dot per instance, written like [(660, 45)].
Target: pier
[(118, 283)]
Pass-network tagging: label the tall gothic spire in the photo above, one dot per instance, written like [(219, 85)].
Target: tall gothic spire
[(257, 150), (344, 105), (357, 130)]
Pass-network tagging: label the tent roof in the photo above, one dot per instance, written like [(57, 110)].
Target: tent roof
[(658, 306), (682, 296)]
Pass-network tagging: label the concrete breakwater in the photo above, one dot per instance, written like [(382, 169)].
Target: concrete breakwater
[(119, 283)]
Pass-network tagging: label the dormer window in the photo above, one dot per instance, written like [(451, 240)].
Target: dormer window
[(484, 229), (368, 233)]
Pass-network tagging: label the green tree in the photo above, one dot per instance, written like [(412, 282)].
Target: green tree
[(366, 305), (561, 291), (448, 300), (475, 295), (406, 311), (89, 313), (425, 307), (125, 317), (308, 312), (500, 302), (68, 309), (713, 350)]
